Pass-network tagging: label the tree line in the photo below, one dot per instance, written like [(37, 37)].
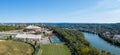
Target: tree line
[(8, 28), (106, 31)]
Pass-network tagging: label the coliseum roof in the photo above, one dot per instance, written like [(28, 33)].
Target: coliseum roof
[(32, 27)]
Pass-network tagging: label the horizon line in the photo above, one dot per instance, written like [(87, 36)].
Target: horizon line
[(59, 22)]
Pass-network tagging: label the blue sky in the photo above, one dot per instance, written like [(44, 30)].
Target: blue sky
[(75, 11)]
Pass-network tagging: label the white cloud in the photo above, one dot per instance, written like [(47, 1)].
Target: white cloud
[(107, 11)]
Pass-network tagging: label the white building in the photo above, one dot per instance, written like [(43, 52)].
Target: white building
[(28, 36), (116, 37), (33, 29)]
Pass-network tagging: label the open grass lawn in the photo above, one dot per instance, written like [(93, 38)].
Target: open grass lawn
[(15, 48), (55, 49)]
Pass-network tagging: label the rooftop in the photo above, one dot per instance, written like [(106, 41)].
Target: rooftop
[(32, 27), (29, 36)]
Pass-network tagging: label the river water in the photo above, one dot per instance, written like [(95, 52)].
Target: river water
[(100, 44)]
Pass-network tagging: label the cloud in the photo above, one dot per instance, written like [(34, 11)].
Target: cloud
[(107, 11)]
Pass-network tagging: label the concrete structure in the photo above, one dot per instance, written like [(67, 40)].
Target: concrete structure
[(116, 37), (33, 29), (48, 32), (28, 36)]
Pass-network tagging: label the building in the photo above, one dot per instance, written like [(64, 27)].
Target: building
[(116, 36), (48, 32), (33, 29), (28, 36)]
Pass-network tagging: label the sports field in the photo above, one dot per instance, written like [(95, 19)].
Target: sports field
[(55, 49), (15, 48)]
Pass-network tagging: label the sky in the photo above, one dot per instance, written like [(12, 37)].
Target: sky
[(59, 11)]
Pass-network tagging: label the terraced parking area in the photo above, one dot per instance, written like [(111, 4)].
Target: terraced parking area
[(55, 49)]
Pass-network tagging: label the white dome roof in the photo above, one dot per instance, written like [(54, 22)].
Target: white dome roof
[(32, 27)]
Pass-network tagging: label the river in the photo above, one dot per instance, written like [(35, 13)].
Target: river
[(100, 44)]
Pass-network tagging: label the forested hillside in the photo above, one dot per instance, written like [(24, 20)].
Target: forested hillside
[(106, 31), (77, 40)]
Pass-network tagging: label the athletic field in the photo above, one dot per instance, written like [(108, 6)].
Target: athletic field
[(55, 49)]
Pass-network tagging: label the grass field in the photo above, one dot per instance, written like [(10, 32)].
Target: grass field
[(15, 48), (55, 49)]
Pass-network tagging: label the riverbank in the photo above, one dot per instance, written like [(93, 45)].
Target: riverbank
[(101, 44), (78, 42), (111, 41)]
